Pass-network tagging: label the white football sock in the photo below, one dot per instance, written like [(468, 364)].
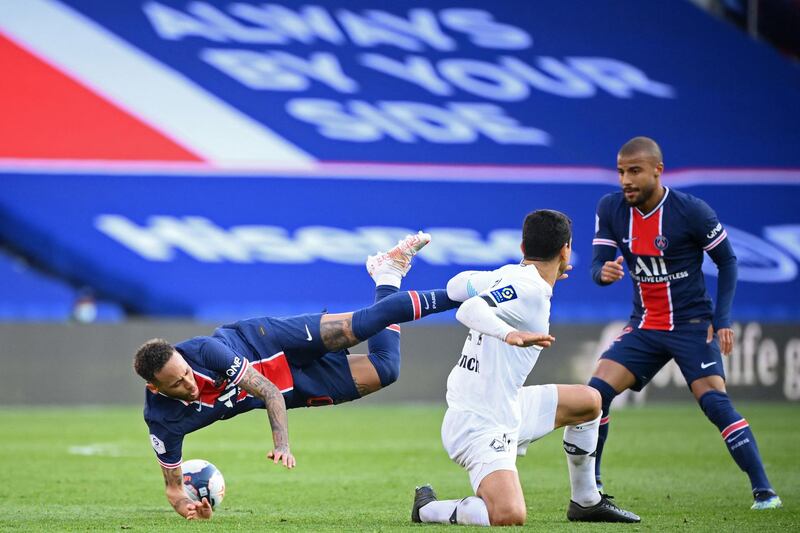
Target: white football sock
[(388, 276), (470, 511), (580, 442), (438, 511)]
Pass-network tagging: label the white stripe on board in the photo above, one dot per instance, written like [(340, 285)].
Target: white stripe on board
[(145, 88)]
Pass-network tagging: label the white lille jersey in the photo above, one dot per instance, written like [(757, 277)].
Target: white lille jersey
[(487, 379)]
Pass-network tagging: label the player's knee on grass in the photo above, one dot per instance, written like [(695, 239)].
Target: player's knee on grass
[(508, 513)]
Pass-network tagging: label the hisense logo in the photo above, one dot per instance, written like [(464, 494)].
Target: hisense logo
[(169, 238)]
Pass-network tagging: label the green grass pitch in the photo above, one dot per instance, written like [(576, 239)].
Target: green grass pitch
[(93, 469)]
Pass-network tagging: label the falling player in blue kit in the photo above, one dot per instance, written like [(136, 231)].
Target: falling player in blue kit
[(662, 235), (275, 364)]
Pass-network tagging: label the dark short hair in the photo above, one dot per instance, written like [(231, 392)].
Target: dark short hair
[(151, 357), (544, 233), (642, 145)]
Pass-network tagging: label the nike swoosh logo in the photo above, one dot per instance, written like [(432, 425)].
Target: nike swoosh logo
[(626, 241), (706, 365), (733, 438), (308, 333)]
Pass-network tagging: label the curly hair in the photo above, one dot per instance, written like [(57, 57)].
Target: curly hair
[(151, 357)]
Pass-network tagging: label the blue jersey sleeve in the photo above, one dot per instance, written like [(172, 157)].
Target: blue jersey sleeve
[(167, 445), (712, 237), (220, 358), (604, 244), (706, 227)]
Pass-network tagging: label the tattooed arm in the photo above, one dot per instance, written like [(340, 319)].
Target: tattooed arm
[(261, 387), (173, 480)]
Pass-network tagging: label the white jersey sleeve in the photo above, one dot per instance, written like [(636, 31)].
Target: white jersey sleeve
[(469, 283), (520, 301), (477, 314)]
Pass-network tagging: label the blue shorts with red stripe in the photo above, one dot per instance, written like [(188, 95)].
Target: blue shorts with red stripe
[(645, 351), (320, 377)]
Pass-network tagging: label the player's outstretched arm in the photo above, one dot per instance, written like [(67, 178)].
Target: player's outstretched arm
[(261, 387), (173, 480), (477, 314)]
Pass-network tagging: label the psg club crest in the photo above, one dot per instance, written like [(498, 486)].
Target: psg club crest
[(661, 242)]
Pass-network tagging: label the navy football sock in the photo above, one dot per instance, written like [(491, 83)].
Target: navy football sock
[(384, 346), (400, 307), (737, 436), (382, 291), (607, 393)]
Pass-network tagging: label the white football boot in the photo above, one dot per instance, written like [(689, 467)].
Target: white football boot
[(398, 259)]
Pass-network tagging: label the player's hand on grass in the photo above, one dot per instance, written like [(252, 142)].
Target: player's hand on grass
[(612, 270), (725, 339), (283, 456), (199, 510), (564, 275), (526, 338)]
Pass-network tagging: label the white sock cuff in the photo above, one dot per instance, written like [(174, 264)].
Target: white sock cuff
[(388, 277)]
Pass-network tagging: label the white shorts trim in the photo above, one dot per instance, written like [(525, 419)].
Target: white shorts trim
[(479, 471)]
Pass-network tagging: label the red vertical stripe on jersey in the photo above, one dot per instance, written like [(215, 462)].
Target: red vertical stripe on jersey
[(655, 300), (46, 114), (276, 369), (655, 296), (644, 232), (208, 392)]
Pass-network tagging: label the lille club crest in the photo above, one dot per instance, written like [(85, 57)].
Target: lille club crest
[(661, 242)]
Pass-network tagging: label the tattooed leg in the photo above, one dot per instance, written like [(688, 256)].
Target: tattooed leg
[(365, 377), (337, 331)]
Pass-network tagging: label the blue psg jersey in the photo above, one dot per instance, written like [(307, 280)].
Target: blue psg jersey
[(218, 364), (663, 251)]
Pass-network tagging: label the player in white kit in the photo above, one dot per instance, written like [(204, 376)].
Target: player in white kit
[(491, 417)]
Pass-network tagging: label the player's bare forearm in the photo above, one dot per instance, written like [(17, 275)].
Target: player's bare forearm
[(337, 331), (261, 387), (173, 481)]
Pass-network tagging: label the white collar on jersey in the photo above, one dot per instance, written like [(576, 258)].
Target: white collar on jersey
[(656, 208)]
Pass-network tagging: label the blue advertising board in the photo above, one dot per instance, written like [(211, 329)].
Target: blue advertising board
[(449, 82), (221, 248), (216, 159)]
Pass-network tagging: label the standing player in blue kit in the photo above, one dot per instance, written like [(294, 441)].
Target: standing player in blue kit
[(662, 235), (275, 364)]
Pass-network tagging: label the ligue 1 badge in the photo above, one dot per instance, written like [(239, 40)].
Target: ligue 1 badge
[(661, 242)]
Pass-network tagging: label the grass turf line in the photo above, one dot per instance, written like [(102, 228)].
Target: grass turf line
[(93, 469)]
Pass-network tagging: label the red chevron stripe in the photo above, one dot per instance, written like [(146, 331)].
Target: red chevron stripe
[(736, 426)]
